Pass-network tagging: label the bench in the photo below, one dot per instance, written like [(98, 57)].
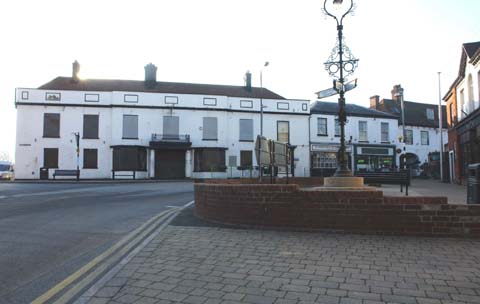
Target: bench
[(114, 174), (75, 173), (401, 177)]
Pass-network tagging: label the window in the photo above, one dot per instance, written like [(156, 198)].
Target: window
[(424, 137), (246, 104), (130, 127), (50, 157), (51, 125), (324, 160), (171, 99), (49, 96), (92, 97), (337, 127), (24, 95), (209, 160), (283, 131), (130, 98), (304, 107), (462, 104), (384, 130), (322, 126), (430, 114), (170, 127), (90, 157), (129, 158), (470, 94), (90, 126), (452, 115), (246, 158), (209, 101), (246, 129), (210, 128), (362, 131), (408, 137)]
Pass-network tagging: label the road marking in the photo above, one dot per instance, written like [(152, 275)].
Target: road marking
[(70, 279), (86, 296), (3, 196)]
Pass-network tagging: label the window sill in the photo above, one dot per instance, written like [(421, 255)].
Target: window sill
[(246, 140), (363, 141), (90, 168), (51, 136), (130, 138), (210, 139), (90, 137), (325, 135), (384, 142)]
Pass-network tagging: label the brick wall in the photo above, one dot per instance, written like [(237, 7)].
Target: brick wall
[(301, 181), (289, 207)]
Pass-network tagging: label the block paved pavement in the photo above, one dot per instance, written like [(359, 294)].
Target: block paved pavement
[(211, 265)]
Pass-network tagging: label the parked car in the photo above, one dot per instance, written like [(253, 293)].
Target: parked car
[(6, 170)]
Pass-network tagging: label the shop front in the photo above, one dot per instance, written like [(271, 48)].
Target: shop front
[(323, 157), (468, 131), (374, 157)]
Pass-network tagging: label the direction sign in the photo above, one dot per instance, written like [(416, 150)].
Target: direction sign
[(337, 87), (326, 93)]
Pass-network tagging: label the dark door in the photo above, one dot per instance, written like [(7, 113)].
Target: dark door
[(170, 164)]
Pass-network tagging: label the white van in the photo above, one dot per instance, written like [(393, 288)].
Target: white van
[(6, 170)]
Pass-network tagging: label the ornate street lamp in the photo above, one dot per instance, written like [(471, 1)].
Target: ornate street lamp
[(340, 65)]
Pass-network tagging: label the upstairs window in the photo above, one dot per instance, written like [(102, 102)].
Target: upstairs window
[(210, 128), (246, 129), (337, 127), (322, 126), (90, 126), (424, 138), (51, 125), (130, 127), (408, 137), (171, 125), (430, 114), (362, 131), (283, 131), (470, 94), (384, 132)]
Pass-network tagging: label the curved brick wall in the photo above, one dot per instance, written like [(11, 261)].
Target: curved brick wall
[(288, 206)]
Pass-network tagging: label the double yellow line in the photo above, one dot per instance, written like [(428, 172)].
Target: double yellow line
[(114, 254)]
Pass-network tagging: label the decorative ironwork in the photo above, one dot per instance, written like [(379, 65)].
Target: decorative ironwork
[(171, 137), (333, 64)]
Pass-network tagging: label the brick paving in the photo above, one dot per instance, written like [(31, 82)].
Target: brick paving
[(209, 265)]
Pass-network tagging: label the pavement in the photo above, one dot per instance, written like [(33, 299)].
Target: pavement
[(457, 194), (195, 262)]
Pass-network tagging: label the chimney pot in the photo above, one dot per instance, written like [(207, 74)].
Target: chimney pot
[(75, 71), (248, 81), (374, 102), (150, 75)]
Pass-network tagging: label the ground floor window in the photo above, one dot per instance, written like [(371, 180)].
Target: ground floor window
[(324, 160), (246, 158), (209, 160), (129, 158), (90, 158), (374, 163), (50, 158)]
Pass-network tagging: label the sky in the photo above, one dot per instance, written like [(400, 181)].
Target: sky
[(216, 41)]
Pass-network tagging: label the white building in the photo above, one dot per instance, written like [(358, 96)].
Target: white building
[(152, 129), (371, 138), (422, 132)]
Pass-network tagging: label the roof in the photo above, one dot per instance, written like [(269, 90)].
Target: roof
[(110, 85), (471, 48), (323, 107), (415, 112)]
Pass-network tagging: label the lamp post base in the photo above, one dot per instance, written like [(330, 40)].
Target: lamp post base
[(343, 181)]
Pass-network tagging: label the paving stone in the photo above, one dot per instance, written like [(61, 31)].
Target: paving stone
[(302, 296), (98, 301), (253, 299), (171, 296), (327, 299), (466, 298), (107, 292), (298, 288), (399, 299), (127, 299), (194, 300)]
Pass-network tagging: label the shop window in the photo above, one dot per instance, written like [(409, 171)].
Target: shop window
[(90, 158), (51, 125), (210, 128), (384, 130), (283, 131), (209, 160), (324, 160), (408, 137), (362, 131), (50, 157), (129, 158), (424, 138), (322, 126), (246, 130), (90, 126)]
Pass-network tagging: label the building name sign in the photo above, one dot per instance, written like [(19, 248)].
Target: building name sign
[(328, 148)]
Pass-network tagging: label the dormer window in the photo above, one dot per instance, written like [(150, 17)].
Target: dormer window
[(430, 114)]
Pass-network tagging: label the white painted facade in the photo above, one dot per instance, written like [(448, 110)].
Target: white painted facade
[(468, 90), (419, 149), (150, 108)]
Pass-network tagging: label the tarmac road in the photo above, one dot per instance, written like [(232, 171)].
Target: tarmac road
[(48, 231)]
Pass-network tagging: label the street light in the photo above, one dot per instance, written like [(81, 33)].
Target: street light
[(399, 95), (261, 98), (77, 141), (340, 65)]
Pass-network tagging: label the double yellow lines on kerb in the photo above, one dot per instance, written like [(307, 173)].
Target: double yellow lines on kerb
[(101, 263)]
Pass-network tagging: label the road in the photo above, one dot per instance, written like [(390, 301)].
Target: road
[(48, 231)]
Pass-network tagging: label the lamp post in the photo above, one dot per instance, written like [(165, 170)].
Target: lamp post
[(399, 96), (440, 126), (340, 65), (261, 98), (77, 141)]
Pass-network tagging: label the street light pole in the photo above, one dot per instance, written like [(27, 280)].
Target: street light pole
[(261, 98), (440, 126), (77, 141), (341, 61)]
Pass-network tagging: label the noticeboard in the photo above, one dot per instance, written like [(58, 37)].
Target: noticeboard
[(280, 154), (263, 151)]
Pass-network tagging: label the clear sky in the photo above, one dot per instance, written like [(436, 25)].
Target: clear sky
[(216, 41)]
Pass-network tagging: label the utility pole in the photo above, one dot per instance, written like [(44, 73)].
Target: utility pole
[(440, 125)]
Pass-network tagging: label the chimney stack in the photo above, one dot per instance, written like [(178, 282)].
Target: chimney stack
[(150, 75), (75, 71), (397, 91), (374, 101), (248, 81)]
